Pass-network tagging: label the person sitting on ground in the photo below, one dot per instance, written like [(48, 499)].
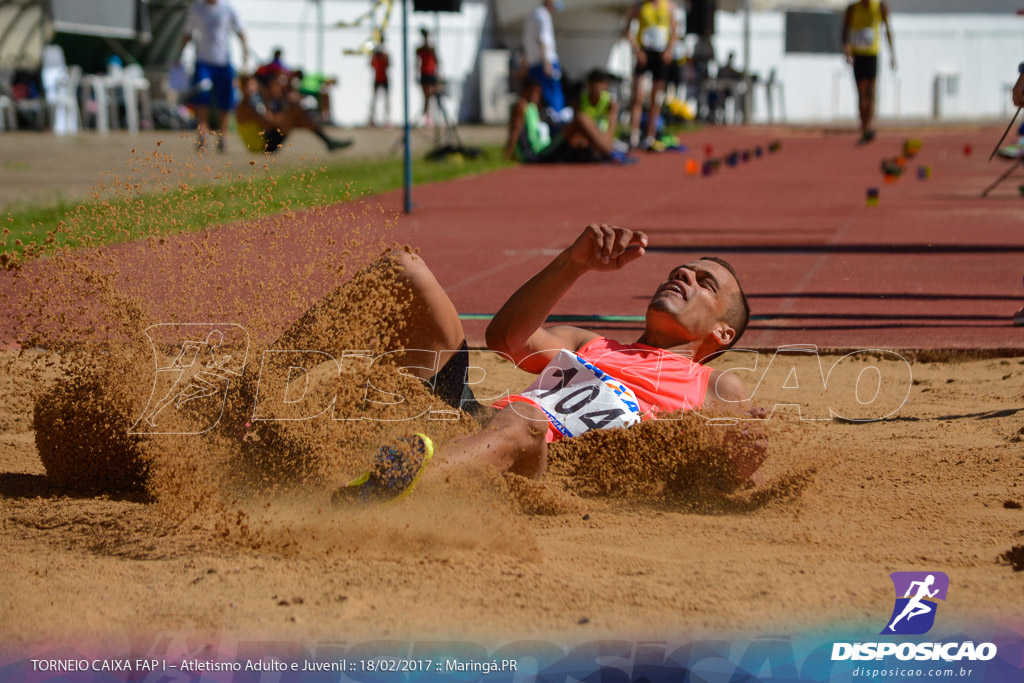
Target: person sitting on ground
[(266, 114), (314, 89), (532, 140), (585, 381), (598, 103)]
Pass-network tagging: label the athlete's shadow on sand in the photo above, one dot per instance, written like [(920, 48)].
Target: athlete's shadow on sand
[(986, 415), (20, 485)]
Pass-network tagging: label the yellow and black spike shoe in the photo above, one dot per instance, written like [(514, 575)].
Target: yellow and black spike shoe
[(395, 471)]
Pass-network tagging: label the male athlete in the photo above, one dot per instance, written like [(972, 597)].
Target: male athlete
[(861, 44), (653, 45), (586, 381)]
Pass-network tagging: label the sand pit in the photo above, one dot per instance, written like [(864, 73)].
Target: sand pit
[(841, 505)]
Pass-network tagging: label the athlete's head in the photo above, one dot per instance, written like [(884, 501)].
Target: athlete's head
[(531, 90), (702, 304), (597, 82)]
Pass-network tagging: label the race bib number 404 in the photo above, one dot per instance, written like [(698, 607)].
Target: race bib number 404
[(577, 396)]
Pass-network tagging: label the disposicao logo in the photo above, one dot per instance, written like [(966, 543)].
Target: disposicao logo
[(913, 614), (915, 608)]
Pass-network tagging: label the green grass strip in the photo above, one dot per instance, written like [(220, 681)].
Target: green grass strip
[(131, 214)]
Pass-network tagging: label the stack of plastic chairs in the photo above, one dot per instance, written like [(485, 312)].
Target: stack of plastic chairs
[(61, 87), (8, 113), (135, 86)]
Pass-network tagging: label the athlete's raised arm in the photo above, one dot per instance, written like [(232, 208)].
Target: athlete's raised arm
[(516, 328)]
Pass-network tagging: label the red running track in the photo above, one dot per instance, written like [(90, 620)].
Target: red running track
[(933, 266)]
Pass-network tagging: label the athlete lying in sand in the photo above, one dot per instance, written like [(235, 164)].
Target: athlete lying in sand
[(586, 381)]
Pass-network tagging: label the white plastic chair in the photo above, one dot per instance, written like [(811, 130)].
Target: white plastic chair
[(136, 91), (8, 113), (60, 85), (772, 88), (95, 87)]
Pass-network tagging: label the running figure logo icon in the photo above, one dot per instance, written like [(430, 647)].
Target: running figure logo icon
[(916, 595)]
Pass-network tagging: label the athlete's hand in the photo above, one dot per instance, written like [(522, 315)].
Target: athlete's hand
[(641, 58), (607, 247), (848, 53), (666, 55), (892, 62), (1018, 91)]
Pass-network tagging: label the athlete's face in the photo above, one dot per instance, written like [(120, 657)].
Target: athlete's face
[(690, 304)]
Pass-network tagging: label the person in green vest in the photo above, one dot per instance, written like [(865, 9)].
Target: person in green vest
[(597, 103), (533, 140), (317, 85), (862, 42)]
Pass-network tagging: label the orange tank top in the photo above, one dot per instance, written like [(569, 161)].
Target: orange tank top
[(662, 381)]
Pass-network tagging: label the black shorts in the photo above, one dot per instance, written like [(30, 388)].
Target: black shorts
[(561, 152), (272, 140), (654, 65), (380, 84), (865, 67), (449, 384), (674, 73), (428, 79)]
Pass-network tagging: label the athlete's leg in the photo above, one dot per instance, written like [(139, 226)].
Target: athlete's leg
[(657, 88), (512, 441), (421, 316), (431, 322), (584, 128), (866, 97), (636, 108), (202, 120)]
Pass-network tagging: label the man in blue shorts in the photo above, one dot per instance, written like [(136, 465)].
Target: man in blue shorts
[(209, 24)]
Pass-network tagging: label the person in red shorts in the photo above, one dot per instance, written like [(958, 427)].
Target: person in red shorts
[(380, 62), (426, 57), (585, 381)]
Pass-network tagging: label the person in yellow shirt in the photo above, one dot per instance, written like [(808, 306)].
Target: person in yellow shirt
[(653, 44), (861, 44)]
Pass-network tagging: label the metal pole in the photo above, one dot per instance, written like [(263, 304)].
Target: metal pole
[(319, 36), (748, 84), (405, 106)]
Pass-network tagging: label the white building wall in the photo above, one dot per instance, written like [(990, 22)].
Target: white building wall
[(983, 49), (292, 25)]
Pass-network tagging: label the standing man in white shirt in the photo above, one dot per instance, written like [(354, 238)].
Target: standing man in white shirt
[(541, 55), (210, 24)]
